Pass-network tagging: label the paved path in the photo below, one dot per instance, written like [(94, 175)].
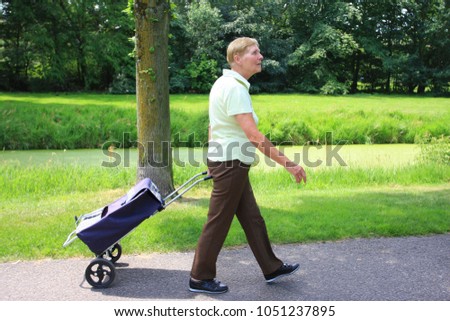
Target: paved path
[(399, 269)]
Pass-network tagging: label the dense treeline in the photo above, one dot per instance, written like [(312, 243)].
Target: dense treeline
[(314, 46)]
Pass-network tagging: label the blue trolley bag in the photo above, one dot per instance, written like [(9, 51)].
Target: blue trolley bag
[(102, 229), (107, 226)]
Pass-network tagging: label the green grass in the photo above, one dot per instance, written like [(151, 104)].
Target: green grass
[(52, 172), (359, 119), (74, 121), (384, 191)]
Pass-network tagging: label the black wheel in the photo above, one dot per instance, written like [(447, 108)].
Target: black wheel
[(100, 273), (115, 252)]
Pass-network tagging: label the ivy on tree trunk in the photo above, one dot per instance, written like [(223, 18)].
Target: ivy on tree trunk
[(152, 93)]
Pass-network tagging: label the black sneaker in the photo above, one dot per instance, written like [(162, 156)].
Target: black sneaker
[(207, 286), (284, 270)]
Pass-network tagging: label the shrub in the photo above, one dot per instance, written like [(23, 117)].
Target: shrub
[(202, 74), (292, 132), (334, 87), (435, 150)]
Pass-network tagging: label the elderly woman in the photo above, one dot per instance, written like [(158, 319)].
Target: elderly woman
[(233, 139)]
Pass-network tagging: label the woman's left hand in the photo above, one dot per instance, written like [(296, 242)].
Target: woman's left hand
[(298, 172)]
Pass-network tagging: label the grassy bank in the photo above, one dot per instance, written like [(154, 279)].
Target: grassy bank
[(383, 191), (47, 121)]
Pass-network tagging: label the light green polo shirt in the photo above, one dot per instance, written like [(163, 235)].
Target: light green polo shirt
[(229, 96)]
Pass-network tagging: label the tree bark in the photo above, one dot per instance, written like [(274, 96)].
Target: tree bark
[(152, 93), (356, 67)]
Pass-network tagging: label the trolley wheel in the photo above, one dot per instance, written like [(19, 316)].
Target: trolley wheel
[(115, 252), (112, 254), (100, 273)]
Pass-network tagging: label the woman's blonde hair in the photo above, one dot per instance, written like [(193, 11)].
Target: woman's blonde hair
[(239, 46)]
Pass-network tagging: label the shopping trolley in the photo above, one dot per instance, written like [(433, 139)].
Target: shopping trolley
[(102, 229)]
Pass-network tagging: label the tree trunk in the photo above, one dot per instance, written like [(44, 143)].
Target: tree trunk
[(152, 93), (421, 89), (356, 64), (388, 83)]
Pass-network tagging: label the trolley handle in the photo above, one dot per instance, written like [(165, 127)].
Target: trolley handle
[(72, 237), (183, 188), (207, 177)]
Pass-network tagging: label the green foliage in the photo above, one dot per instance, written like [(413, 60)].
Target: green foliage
[(124, 82), (203, 27), (329, 47), (196, 48), (63, 46), (202, 74), (435, 150), (334, 87), (319, 63)]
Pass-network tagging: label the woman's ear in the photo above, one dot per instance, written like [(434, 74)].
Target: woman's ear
[(237, 59)]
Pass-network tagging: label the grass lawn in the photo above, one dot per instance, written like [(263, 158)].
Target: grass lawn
[(76, 121), (51, 169), (383, 191)]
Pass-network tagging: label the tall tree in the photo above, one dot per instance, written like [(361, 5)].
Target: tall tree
[(198, 49), (322, 61), (16, 41), (152, 92), (423, 28), (328, 46)]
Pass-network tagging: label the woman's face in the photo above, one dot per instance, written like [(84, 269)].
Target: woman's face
[(250, 62)]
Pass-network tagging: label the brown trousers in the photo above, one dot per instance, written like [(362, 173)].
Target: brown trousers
[(232, 194)]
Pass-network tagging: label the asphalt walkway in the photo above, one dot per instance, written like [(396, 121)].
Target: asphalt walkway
[(382, 269)]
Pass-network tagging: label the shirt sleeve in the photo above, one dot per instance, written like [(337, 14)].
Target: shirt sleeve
[(238, 101)]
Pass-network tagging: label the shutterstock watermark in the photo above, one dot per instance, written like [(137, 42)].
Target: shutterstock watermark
[(163, 153)]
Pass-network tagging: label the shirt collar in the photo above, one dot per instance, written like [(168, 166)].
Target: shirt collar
[(237, 76)]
